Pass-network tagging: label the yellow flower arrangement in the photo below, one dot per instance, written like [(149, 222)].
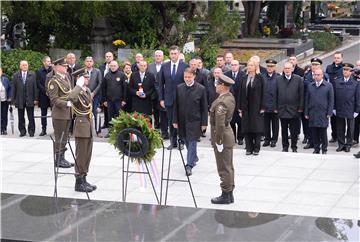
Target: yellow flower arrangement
[(119, 42)]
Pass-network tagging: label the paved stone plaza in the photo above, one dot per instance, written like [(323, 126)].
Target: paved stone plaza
[(273, 182)]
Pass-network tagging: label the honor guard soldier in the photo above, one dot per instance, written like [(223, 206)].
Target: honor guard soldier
[(222, 138), (81, 100), (58, 89)]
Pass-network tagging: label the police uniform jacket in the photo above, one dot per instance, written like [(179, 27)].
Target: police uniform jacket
[(319, 103), (221, 113), (270, 91), (58, 89), (82, 106), (347, 97)]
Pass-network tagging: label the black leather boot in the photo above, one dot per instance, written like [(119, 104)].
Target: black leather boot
[(65, 161), (59, 162), (231, 197), (43, 132), (81, 186), (92, 186), (224, 198), (357, 155)]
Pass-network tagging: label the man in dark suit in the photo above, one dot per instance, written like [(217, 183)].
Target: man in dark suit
[(190, 115), (43, 98), (72, 66), (289, 105), (160, 119), (171, 75), (236, 74), (104, 68), (212, 94), (141, 88), (94, 85), (297, 70), (138, 57), (25, 96)]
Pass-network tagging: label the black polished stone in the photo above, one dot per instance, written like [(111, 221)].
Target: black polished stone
[(34, 218)]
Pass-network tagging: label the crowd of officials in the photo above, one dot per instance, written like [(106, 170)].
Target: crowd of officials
[(309, 99)]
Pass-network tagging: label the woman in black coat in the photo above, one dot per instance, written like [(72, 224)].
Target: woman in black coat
[(251, 107)]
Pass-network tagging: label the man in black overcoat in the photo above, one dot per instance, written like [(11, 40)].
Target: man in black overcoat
[(190, 115)]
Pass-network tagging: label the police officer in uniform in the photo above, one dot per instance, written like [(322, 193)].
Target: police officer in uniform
[(58, 90), (222, 138), (81, 100)]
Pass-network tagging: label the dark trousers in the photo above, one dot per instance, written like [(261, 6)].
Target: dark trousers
[(252, 141), (237, 130), (292, 124), (43, 117), (95, 103), (106, 117), (164, 123), (113, 109), (4, 115), (319, 136), (345, 131), (333, 127), (156, 113), (30, 115), (357, 128), (173, 131), (271, 122), (305, 126)]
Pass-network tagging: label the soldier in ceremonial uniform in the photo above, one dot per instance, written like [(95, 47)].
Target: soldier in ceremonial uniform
[(222, 138), (81, 100), (58, 90)]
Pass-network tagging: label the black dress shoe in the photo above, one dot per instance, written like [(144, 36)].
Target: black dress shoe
[(43, 132), (224, 198), (272, 144), (340, 149), (316, 152), (266, 143), (256, 153), (285, 150), (357, 155), (31, 134), (22, 134), (347, 149), (248, 153), (294, 150), (188, 170), (308, 146), (240, 142), (332, 140)]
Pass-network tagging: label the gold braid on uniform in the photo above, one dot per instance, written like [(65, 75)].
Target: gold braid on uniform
[(88, 108), (61, 88)]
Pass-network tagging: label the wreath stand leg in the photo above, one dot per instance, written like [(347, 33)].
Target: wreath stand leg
[(167, 179), (126, 172), (56, 168)]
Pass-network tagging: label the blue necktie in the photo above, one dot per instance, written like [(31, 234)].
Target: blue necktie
[(173, 73)]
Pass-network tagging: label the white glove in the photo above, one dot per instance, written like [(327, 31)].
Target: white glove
[(80, 82), (334, 112), (355, 115), (220, 148), (69, 104)]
